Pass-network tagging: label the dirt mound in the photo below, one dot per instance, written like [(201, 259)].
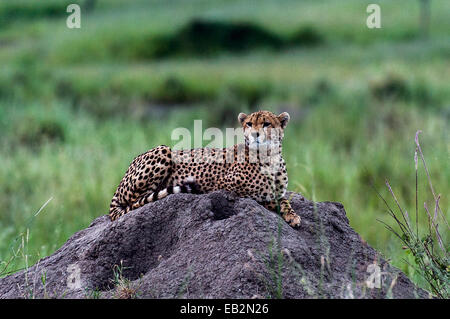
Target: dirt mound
[(214, 246)]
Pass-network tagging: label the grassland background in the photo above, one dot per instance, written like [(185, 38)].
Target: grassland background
[(76, 106)]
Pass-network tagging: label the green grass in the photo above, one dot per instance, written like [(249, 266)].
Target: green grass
[(76, 106)]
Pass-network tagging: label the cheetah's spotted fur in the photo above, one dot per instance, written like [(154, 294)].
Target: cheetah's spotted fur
[(241, 169)]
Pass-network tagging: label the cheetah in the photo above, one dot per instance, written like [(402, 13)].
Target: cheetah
[(253, 169)]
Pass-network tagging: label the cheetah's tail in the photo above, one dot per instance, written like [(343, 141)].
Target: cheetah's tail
[(189, 186)]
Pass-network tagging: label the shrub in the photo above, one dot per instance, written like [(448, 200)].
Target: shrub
[(32, 132), (391, 87), (307, 36), (430, 254), (11, 11)]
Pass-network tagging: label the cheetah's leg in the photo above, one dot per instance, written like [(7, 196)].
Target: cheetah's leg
[(285, 209), (148, 173)]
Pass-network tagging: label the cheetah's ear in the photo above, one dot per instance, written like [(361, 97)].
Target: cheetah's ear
[(284, 119), (242, 117)]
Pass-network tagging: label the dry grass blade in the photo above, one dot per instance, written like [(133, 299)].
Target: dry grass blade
[(404, 213), (428, 175), (435, 225), (390, 212)]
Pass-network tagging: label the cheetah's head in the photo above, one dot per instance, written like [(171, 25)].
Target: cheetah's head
[(263, 128)]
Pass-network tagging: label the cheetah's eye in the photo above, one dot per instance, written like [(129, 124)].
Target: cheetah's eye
[(266, 124), (249, 124)]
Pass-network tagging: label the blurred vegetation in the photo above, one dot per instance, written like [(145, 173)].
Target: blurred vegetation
[(76, 106)]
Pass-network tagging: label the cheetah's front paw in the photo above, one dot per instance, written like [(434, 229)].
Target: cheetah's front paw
[(292, 218)]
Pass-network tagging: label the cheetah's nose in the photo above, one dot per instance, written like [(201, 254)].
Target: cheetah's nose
[(255, 134)]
